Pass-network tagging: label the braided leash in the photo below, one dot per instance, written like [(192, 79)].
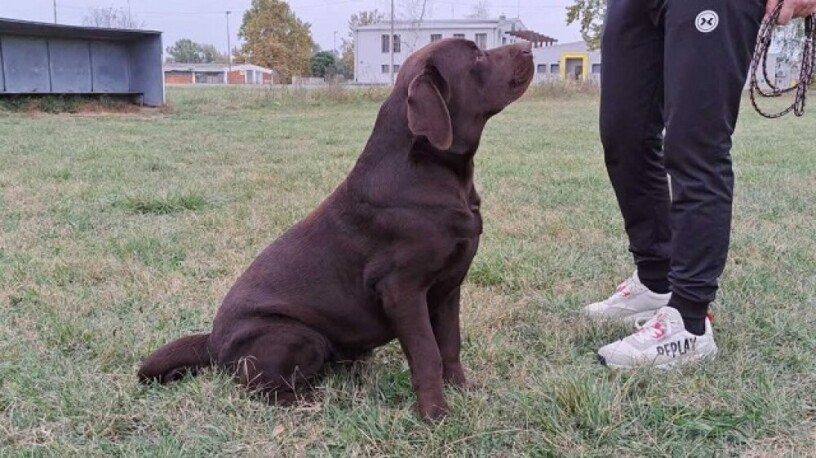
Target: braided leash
[(807, 75)]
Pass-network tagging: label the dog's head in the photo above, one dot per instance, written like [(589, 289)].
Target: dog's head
[(454, 88)]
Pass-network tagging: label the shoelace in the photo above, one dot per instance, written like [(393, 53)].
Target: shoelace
[(625, 289), (654, 329)]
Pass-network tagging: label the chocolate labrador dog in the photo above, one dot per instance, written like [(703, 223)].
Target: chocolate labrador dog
[(384, 256)]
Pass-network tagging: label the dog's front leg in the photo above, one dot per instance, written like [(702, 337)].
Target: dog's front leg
[(407, 310), (447, 331)]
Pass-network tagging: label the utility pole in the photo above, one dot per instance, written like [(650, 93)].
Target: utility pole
[(391, 43), (229, 46), (335, 43), (55, 11), (130, 16)]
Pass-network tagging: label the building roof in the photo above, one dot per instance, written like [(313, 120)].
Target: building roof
[(42, 29), (574, 46), (431, 24), (253, 67), (533, 37), (180, 67), (195, 67)]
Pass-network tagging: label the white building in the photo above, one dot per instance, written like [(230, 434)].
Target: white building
[(373, 43), (553, 62)]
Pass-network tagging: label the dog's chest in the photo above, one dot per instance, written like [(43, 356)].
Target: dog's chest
[(461, 248)]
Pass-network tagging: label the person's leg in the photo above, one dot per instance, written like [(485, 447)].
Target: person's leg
[(708, 48), (631, 123)]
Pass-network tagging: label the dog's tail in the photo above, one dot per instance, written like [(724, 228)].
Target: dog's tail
[(174, 360)]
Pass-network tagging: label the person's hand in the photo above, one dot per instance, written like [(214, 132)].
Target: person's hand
[(791, 9)]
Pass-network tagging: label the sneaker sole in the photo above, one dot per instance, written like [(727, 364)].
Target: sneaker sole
[(667, 366)]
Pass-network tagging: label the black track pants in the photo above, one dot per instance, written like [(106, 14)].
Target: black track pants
[(678, 65)]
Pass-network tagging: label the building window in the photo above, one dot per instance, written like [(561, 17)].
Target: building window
[(397, 44), (596, 69), (385, 69), (396, 69), (458, 35), (436, 37), (555, 68), (542, 68), (386, 44), (481, 40), (504, 40)]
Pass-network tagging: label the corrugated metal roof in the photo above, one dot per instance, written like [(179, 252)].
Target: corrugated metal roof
[(42, 29)]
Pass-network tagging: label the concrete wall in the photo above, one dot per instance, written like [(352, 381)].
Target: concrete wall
[(178, 78), (235, 77), (146, 69)]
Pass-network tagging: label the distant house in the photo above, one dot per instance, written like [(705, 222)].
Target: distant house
[(244, 74), (568, 61), (373, 43)]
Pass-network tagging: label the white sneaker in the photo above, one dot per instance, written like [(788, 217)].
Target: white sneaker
[(662, 342), (632, 302)]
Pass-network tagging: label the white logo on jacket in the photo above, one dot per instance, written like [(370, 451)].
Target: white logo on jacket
[(707, 21)]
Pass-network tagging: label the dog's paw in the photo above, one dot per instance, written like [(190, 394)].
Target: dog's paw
[(455, 377), (434, 412)]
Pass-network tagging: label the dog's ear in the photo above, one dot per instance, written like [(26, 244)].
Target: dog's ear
[(428, 113)]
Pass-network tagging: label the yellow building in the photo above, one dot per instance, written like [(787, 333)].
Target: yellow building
[(568, 61)]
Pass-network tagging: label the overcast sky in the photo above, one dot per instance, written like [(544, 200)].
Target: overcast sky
[(205, 20)]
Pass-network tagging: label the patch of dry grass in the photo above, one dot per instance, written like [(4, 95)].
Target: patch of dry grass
[(118, 234)]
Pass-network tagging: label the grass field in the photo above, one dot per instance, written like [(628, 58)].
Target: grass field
[(119, 233)]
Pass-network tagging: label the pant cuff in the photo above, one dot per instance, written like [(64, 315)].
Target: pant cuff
[(655, 275), (689, 309)]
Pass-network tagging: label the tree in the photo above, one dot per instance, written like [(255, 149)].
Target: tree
[(347, 47), (186, 51), (481, 10), (416, 10), (275, 38), (590, 15), (211, 54), (112, 18), (324, 63)]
